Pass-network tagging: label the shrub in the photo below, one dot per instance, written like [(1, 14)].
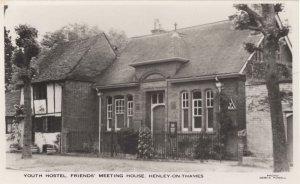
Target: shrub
[(128, 140), (145, 145), (202, 150)]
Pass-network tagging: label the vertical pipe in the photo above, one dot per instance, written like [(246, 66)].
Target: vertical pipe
[(100, 110)]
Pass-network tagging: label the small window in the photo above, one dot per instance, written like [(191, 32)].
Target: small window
[(197, 111), (209, 110), (39, 92), (109, 113), (157, 98), (184, 110), (9, 125)]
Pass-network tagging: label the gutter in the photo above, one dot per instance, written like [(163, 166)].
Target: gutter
[(112, 86), (166, 60)]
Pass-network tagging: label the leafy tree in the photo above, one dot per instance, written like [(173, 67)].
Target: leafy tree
[(8, 50), (118, 39), (76, 31), (27, 49), (265, 23)]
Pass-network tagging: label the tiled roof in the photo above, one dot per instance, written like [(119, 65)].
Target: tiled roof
[(81, 60), (214, 48), (11, 98)]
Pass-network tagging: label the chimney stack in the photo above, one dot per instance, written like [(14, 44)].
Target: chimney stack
[(157, 27)]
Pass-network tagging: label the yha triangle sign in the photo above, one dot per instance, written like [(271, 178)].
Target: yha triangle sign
[(231, 105)]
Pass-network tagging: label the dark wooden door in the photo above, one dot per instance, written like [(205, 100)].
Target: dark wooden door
[(159, 119)]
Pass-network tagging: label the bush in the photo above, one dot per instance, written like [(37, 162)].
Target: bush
[(145, 145), (202, 150), (128, 140)]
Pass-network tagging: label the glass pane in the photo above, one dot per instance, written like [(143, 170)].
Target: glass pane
[(161, 98), (199, 111), (195, 112), (185, 118), (154, 98), (130, 98), (197, 122), (120, 121), (109, 123), (210, 117)]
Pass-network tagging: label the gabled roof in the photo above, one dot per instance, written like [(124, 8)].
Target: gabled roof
[(212, 49), (11, 98), (80, 60)]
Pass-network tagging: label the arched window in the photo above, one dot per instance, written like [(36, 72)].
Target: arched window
[(119, 112), (109, 113), (129, 111), (209, 110), (184, 110), (197, 111)]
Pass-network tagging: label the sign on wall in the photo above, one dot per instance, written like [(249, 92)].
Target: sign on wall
[(173, 129), (231, 105)]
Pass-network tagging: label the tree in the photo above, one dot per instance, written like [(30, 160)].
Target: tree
[(118, 39), (265, 23), (75, 31), (27, 49), (8, 51)]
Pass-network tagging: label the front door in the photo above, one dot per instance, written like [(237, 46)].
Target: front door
[(157, 112), (158, 118)]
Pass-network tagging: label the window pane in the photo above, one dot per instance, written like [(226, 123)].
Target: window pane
[(197, 122), (160, 98), (154, 98), (130, 122), (54, 124), (185, 118), (120, 121), (210, 117), (109, 123)]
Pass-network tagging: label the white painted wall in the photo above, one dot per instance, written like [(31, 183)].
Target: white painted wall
[(58, 97), (45, 138), (50, 98)]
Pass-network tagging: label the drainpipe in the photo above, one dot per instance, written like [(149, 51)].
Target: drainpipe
[(219, 87), (99, 94)]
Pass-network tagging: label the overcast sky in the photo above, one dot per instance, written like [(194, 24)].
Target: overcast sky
[(135, 18)]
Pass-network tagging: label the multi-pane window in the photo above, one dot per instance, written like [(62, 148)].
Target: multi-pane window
[(197, 111), (157, 98), (209, 110), (129, 111), (119, 110), (109, 113), (47, 124), (184, 110)]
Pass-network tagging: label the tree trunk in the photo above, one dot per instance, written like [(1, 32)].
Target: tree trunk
[(270, 45), (27, 140)]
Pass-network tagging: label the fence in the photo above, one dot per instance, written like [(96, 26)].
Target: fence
[(121, 144)]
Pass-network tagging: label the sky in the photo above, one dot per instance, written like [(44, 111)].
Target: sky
[(135, 18)]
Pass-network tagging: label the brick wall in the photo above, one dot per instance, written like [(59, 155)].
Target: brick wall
[(259, 130), (79, 110)]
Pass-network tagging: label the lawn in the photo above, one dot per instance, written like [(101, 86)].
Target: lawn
[(79, 163)]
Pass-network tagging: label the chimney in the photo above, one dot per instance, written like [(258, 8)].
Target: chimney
[(157, 27)]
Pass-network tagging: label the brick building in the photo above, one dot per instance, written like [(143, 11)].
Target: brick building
[(168, 77)]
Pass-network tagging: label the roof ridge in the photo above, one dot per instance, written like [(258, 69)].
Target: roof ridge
[(189, 27)]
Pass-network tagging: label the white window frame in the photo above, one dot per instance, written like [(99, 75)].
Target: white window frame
[(209, 105), (129, 111), (108, 115), (119, 109), (157, 98), (184, 106), (199, 101)]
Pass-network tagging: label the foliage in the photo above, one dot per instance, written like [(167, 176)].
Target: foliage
[(184, 144), (128, 139), (118, 39), (145, 145), (265, 22), (8, 51), (202, 150)]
